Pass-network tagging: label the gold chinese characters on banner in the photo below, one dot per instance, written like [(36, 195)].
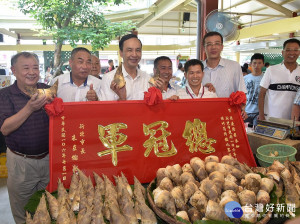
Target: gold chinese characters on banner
[(112, 139), (159, 144), (196, 136), (194, 133), (107, 137), (230, 136)]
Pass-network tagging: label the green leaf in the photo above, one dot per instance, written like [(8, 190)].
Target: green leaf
[(76, 20), (182, 220), (273, 196), (34, 201), (211, 222)]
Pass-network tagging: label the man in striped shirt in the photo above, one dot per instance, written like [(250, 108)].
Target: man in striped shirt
[(25, 126), (281, 82), (225, 75)]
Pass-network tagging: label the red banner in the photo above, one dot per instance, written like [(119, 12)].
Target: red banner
[(137, 139)]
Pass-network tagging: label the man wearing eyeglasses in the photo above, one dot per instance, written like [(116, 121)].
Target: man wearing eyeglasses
[(281, 82), (225, 75)]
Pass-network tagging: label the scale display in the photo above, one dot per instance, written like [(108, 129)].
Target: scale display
[(273, 132)]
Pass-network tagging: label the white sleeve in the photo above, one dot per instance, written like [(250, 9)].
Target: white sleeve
[(106, 92), (242, 86), (181, 93), (210, 94), (266, 79), (97, 88)]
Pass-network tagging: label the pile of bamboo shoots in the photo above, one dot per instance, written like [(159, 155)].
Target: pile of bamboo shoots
[(199, 190), (95, 205), (286, 178)]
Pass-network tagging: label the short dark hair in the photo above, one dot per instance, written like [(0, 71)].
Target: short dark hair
[(110, 60), (258, 56), (180, 66), (292, 40), (127, 37), (210, 34), (161, 58), (267, 64), (25, 54), (192, 62), (77, 49), (245, 65), (244, 70)]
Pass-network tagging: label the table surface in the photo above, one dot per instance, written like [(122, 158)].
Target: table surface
[(256, 141)]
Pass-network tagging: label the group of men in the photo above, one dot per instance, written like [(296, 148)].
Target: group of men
[(25, 124), (137, 81), (79, 86)]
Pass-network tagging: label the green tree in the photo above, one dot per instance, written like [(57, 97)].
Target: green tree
[(74, 21)]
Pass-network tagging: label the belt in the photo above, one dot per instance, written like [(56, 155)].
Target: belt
[(41, 156)]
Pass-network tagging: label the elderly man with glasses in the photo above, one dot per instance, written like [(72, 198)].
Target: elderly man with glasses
[(281, 82)]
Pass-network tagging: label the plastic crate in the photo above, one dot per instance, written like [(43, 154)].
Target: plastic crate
[(284, 152)]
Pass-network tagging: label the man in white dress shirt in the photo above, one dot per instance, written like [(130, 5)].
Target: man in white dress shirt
[(78, 85), (137, 81), (164, 70), (225, 75), (194, 88)]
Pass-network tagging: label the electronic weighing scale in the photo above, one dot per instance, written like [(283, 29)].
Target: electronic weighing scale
[(272, 129), (277, 128)]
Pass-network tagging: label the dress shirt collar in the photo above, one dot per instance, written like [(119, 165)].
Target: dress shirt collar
[(169, 87), (283, 65), (126, 74), (189, 90), (221, 63), (71, 80)]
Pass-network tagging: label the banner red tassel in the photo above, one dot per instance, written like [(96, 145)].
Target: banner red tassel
[(55, 108), (153, 96), (237, 98)]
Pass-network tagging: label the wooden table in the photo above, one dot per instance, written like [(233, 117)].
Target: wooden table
[(256, 141)]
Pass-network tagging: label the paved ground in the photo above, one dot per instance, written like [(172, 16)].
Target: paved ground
[(5, 212)]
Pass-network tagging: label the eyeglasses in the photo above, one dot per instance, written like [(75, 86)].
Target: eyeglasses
[(217, 44), (291, 50)]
